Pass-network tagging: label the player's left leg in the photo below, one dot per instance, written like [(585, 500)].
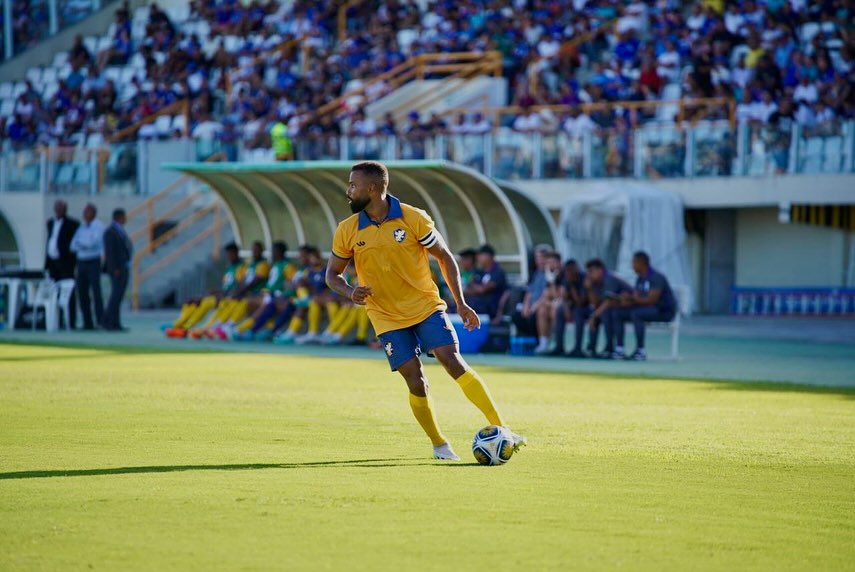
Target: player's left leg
[(438, 337)]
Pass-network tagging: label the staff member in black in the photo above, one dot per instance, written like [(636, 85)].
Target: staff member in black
[(60, 261), (118, 253)]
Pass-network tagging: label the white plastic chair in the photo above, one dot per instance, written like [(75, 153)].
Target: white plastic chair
[(683, 296), (63, 290), (45, 297)]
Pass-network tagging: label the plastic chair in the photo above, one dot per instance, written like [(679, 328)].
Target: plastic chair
[(45, 297), (63, 289)]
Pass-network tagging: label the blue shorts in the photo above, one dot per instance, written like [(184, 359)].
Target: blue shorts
[(403, 345)]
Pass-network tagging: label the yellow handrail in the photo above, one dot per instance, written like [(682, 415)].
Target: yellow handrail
[(414, 68), (342, 18), (682, 106), (182, 105)]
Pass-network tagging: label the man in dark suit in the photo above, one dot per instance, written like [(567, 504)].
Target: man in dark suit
[(60, 260), (118, 253)]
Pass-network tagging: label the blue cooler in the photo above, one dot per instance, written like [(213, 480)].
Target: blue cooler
[(471, 342)]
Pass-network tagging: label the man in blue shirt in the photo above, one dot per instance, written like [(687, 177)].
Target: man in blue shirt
[(604, 291), (88, 245), (484, 291), (651, 301)]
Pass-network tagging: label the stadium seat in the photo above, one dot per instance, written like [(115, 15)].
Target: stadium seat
[(46, 298), (163, 124), (34, 75), (6, 89), (91, 43), (178, 123), (7, 107), (49, 75), (60, 59)]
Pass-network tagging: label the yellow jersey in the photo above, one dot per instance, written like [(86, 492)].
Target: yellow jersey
[(392, 258)]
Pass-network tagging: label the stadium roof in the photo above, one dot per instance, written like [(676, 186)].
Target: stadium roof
[(303, 201)]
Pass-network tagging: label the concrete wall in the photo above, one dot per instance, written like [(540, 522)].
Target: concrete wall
[(716, 192), (772, 254)]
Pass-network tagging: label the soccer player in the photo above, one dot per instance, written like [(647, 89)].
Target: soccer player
[(194, 311), (389, 242), (274, 299)]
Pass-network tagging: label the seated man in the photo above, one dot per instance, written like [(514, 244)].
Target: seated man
[(235, 307), (536, 315), (571, 295), (603, 291), (651, 301), (488, 285), (275, 297), (194, 311)]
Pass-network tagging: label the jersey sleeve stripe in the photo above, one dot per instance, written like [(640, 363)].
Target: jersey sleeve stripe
[(429, 238), (433, 240), (340, 256)]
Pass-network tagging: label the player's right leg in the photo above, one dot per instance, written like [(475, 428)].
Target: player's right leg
[(402, 351)]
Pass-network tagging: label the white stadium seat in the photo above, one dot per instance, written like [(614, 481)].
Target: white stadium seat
[(6, 89)]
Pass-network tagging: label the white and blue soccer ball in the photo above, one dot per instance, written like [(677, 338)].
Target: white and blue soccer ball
[(493, 445)]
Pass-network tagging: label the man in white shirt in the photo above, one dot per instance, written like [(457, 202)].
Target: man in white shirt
[(669, 62), (528, 122), (88, 245), (59, 259), (805, 92)]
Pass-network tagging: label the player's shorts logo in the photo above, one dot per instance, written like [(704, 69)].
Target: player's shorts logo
[(400, 234), (389, 349)]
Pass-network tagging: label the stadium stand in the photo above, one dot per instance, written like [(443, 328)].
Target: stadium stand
[(787, 63)]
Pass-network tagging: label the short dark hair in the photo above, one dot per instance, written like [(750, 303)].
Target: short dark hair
[(467, 253), (487, 249), (231, 247), (554, 255), (375, 170), (258, 243), (118, 213), (595, 263), (306, 248), (571, 262), (280, 246), (642, 256)]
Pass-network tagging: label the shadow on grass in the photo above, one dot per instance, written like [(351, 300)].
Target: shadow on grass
[(361, 463)]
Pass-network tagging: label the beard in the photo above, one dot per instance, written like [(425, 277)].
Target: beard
[(357, 205)]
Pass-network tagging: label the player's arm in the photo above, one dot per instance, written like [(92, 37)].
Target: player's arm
[(335, 279), (451, 273)]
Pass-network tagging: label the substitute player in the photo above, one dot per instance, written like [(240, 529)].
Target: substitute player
[(389, 243)]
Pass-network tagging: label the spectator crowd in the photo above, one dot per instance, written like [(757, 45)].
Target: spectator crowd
[(784, 61)]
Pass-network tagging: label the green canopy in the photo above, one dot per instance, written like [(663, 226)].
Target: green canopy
[(303, 201)]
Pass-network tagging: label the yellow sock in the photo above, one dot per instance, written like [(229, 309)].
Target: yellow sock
[(219, 314), (336, 322), (423, 412), (314, 317), (345, 325), (246, 325), (361, 323), (186, 311), (270, 323), (295, 325), (474, 389), (200, 312), (332, 310), (238, 311)]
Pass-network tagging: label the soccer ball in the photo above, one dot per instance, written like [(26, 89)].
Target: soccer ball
[(493, 445)]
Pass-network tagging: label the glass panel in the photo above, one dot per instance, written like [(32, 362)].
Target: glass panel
[(663, 150), (119, 168), (513, 154), (30, 23), (24, 170), (768, 149), (317, 147), (612, 153), (69, 170), (467, 150), (822, 148), (416, 147), (715, 149), (563, 156), (366, 148)]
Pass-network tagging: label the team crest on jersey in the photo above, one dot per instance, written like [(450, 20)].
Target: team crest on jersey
[(400, 234), (389, 349)]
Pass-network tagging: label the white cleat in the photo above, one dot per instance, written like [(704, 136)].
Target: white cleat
[(444, 452), (331, 339), (307, 339), (519, 440)]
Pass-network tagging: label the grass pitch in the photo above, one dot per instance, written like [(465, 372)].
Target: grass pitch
[(120, 460)]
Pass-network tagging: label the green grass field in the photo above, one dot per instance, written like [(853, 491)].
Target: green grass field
[(155, 461)]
